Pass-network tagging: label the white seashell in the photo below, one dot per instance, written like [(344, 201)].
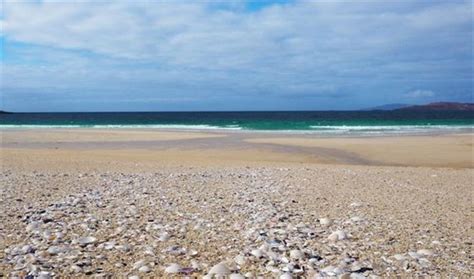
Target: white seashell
[(325, 222), (424, 262), (109, 245), (195, 265), (414, 255), (337, 235), (123, 248), (144, 269), (44, 275), (357, 276), (27, 249), (84, 241), (76, 268), (54, 250), (399, 257), (257, 253), (164, 236), (239, 259), (329, 270), (193, 253), (425, 252), (173, 268), (139, 264), (296, 254), (220, 269)]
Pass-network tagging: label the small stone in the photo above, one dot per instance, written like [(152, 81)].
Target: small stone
[(134, 277), (236, 276)]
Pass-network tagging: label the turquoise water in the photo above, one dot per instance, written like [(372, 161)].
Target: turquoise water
[(309, 121)]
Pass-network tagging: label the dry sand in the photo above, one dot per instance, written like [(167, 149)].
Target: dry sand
[(81, 203)]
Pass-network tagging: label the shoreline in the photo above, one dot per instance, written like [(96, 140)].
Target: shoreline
[(218, 130)]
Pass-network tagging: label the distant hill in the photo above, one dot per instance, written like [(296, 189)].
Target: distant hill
[(388, 107), (442, 106)]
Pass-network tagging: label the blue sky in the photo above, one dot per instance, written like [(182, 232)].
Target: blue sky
[(233, 55)]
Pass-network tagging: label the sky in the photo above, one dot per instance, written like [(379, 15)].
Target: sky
[(233, 55)]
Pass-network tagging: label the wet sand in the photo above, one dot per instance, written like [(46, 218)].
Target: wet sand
[(207, 148)]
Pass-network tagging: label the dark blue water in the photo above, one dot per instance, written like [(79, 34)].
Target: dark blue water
[(315, 121)]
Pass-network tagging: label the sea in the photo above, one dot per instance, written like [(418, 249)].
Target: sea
[(317, 122)]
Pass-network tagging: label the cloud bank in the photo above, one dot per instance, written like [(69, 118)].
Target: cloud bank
[(232, 55)]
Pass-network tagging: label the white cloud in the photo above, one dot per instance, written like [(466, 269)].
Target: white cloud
[(303, 47)]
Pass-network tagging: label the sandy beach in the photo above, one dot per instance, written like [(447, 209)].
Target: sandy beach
[(156, 203)]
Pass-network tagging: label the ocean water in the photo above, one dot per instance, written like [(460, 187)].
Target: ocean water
[(301, 121)]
